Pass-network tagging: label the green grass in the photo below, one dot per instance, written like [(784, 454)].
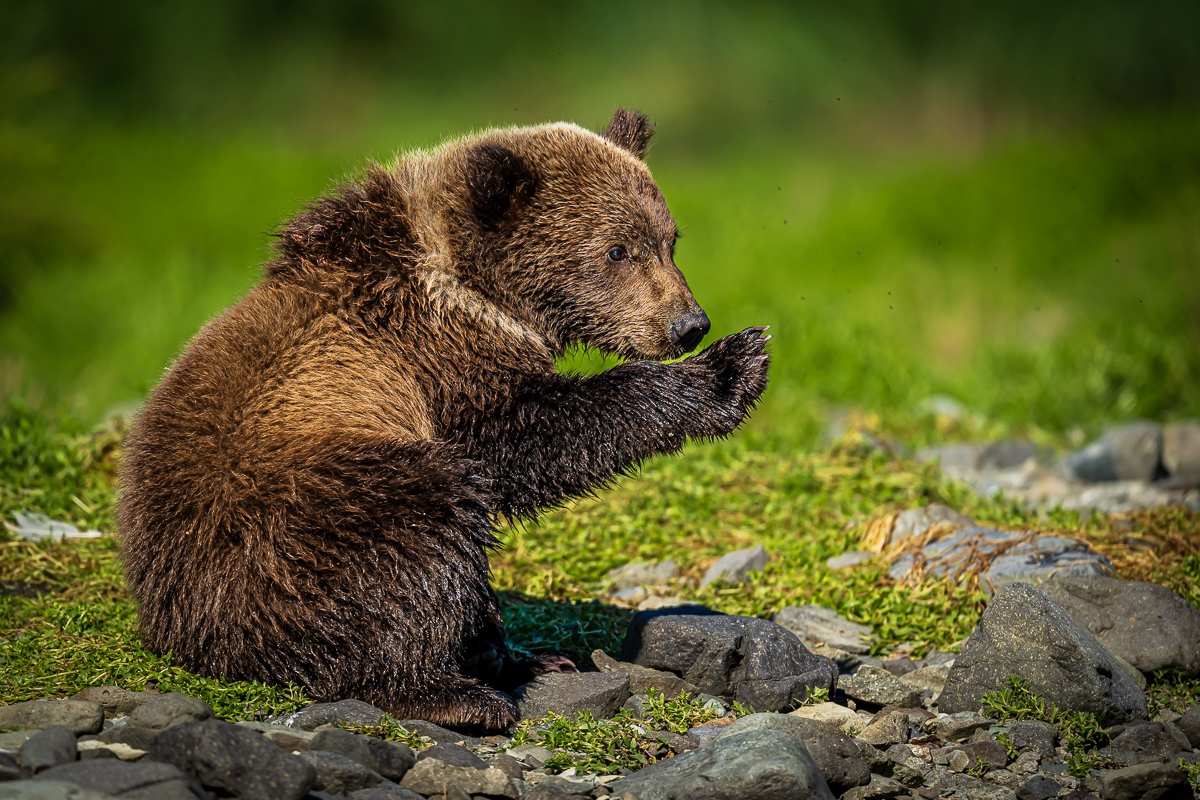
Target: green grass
[(81, 630)]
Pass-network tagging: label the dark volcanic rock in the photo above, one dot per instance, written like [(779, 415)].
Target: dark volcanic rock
[(1190, 725), (1149, 626), (389, 759), (338, 774), (875, 687), (386, 792), (759, 663), (1039, 787), (49, 748), (77, 716), (11, 769), (601, 693), (834, 753), (764, 764), (1129, 453), (143, 781), (1025, 633), (1029, 734), (454, 755), (437, 733), (1144, 782), (989, 751), (343, 712), (643, 678), (1140, 744), (233, 759)]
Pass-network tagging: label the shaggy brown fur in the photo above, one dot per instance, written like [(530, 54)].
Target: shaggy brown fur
[(310, 493)]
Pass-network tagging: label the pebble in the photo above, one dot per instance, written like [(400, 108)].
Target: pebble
[(642, 573), (876, 687)]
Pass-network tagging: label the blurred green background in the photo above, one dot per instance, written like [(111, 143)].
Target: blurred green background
[(996, 202)]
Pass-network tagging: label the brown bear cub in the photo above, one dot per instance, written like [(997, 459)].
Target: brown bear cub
[(311, 492)]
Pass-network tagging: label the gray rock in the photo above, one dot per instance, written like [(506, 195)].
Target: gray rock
[(642, 573), (389, 759), (233, 759), (49, 748), (113, 699), (736, 567), (904, 767), (1025, 633), (956, 460), (47, 790), (886, 730), (454, 755), (431, 776), (11, 769), (385, 792), (918, 521), (1006, 455), (77, 716), (1036, 561), (1129, 453), (702, 735), (338, 774), (532, 754), (1149, 626), (289, 739), (601, 693), (960, 726), (12, 740), (834, 753), (167, 710), (437, 733), (879, 787), (989, 751), (141, 781), (850, 558), (509, 766), (1189, 723), (1181, 450), (825, 626), (931, 678), (1033, 736), (1144, 782), (641, 679), (1039, 787), (876, 687), (1140, 744), (341, 713), (759, 663), (899, 666), (764, 764)]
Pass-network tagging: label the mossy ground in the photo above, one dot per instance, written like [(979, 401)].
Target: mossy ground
[(67, 623)]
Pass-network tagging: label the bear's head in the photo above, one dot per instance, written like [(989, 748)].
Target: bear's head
[(574, 237)]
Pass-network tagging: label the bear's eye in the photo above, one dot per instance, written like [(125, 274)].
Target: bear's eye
[(617, 254)]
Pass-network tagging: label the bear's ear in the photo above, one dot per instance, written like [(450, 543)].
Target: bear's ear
[(631, 131), (499, 181)]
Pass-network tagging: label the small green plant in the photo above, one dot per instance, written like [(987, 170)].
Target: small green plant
[(978, 769), (1009, 748), (387, 728), (605, 746), (1193, 774), (1080, 731)]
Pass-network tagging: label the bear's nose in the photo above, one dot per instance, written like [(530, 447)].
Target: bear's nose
[(688, 331)]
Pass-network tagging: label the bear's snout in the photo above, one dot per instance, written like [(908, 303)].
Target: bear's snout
[(689, 330)]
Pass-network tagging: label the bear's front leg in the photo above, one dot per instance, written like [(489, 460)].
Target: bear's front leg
[(558, 436)]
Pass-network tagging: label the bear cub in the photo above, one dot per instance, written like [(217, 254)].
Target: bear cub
[(311, 492)]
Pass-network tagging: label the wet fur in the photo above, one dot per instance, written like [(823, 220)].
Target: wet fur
[(311, 492)]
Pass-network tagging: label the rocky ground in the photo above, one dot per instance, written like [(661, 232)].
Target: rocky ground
[(831, 722), (1045, 699)]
